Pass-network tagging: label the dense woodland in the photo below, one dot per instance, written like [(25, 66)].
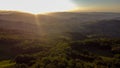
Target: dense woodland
[(64, 53), (97, 45)]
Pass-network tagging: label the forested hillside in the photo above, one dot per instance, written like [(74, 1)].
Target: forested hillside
[(59, 40)]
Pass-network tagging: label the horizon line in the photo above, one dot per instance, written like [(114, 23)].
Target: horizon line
[(43, 13)]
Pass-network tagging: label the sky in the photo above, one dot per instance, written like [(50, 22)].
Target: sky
[(99, 5), (37, 6), (41, 6)]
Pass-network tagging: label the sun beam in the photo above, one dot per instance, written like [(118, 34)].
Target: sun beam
[(37, 6)]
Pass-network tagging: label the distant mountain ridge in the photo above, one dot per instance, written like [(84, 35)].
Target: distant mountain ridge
[(61, 22)]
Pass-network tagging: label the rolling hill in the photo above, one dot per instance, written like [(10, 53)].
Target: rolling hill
[(61, 39), (60, 22)]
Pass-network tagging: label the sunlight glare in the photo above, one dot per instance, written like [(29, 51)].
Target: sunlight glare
[(37, 6)]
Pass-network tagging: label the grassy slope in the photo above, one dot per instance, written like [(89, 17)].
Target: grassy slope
[(6, 64)]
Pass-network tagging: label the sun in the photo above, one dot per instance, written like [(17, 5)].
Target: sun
[(37, 6)]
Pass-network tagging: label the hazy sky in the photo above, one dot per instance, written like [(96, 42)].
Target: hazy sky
[(36, 6), (99, 5)]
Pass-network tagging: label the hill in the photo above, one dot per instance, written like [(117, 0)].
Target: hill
[(60, 40)]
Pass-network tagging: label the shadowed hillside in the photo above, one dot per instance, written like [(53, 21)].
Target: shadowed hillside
[(59, 40), (60, 22)]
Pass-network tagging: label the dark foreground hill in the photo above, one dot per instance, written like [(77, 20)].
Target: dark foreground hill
[(59, 40)]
